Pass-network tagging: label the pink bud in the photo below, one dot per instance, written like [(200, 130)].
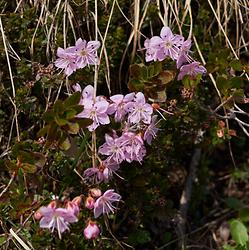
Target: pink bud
[(220, 133), (91, 231), (89, 203), (95, 192), (38, 215), (73, 207), (77, 200), (52, 204)]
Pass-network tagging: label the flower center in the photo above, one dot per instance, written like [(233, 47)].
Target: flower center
[(83, 53), (168, 45)]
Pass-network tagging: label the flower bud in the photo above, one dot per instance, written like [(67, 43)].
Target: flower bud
[(91, 231), (52, 204), (73, 207), (77, 200), (95, 192), (38, 215), (89, 203), (220, 133)]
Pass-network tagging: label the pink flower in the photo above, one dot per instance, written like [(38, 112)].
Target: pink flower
[(110, 168), (169, 47), (93, 175), (86, 95), (66, 60), (103, 204), (58, 218), (89, 203), (86, 52), (152, 47), (91, 231), (183, 55), (113, 148), (192, 69), (97, 111), (151, 130), (133, 145), (117, 106), (139, 110)]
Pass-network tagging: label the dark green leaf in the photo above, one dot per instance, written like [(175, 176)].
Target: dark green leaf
[(72, 100), (234, 203)]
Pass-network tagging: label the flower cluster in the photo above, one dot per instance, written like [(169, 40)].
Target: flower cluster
[(77, 57), (101, 204), (138, 126), (52, 217), (173, 46)]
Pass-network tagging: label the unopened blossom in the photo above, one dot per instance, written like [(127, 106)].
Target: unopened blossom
[(95, 192), (183, 55), (192, 69), (103, 204), (220, 133), (91, 231), (118, 104), (169, 47), (97, 112), (152, 47), (133, 145), (66, 60), (113, 148), (37, 215), (58, 218), (86, 52), (74, 205), (89, 203), (139, 110)]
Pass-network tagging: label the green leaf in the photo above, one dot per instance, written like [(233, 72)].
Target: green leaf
[(65, 145), (135, 85), (28, 168), (73, 128), (84, 122), (58, 107), (48, 116), (222, 83), (244, 214), (78, 108), (140, 237), (72, 100), (135, 70), (236, 82), (234, 203), (166, 76), (236, 65), (2, 239), (228, 247), (60, 121), (43, 131), (239, 232)]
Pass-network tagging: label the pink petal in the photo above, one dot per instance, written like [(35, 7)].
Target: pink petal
[(101, 106), (166, 32), (93, 45), (117, 98)]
